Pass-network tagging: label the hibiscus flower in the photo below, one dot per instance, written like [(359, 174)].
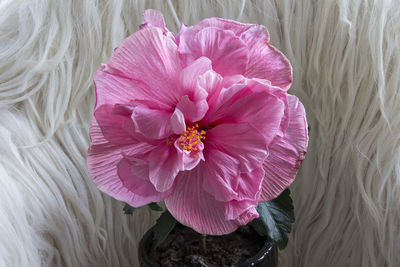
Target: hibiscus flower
[(201, 120)]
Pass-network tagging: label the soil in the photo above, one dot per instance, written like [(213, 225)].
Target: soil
[(182, 249)]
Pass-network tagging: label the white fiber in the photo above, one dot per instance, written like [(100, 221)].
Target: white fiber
[(345, 57)]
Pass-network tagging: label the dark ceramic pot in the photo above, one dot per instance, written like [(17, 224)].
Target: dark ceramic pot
[(266, 257)]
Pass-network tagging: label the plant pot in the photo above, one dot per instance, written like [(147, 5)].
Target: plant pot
[(267, 256)]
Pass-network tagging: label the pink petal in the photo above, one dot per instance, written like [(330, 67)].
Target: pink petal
[(190, 74), (111, 126), (220, 100), (183, 28), (195, 208), (227, 52), (154, 18), (265, 61), (249, 185), (163, 166), (259, 85), (221, 174), (157, 65), (255, 103), (241, 141), (224, 181), (236, 209), (107, 132), (151, 123), (193, 102), (212, 83), (192, 111), (247, 216), (262, 110), (236, 27), (113, 89), (186, 159), (102, 160), (178, 122), (132, 174), (215, 84), (287, 154), (229, 81)]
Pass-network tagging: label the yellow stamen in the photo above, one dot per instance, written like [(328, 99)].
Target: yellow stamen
[(191, 139)]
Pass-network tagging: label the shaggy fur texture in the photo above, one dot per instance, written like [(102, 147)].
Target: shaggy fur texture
[(345, 57)]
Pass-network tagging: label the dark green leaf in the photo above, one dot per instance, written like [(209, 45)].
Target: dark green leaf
[(259, 227), (276, 219), (128, 209), (154, 206), (163, 227)]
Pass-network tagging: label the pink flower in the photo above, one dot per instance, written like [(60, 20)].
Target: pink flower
[(201, 120)]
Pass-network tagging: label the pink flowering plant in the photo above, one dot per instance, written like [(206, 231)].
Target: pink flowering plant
[(202, 121)]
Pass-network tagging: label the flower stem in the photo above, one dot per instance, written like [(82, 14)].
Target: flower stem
[(203, 249)]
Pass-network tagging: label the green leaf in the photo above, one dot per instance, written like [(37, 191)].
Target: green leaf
[(276, 219), (128, 209), (163, 227), (154, 206)]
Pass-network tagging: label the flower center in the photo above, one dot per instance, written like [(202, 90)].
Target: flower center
[(191, 140)]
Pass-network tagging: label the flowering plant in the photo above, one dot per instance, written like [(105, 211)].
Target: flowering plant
[(200, 120)]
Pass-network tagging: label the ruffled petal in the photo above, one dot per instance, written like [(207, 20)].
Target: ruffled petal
[(197, 209), (247, 216), (237, 210), (110, 126), (212, 83), (153, 18), (236, 27), (220, 100), (259, 85), (149, 57), (193, 103), (151, 123), (102, 160), (190, 74), (241, 141), (114, 89), (224, 181), (132, 174), (187, 160), (228, 54), (287, 154), (262, 110), (251, 102), (249, 185), (178, 122), (265, 61), (193, 111), (163, 166), (221, 174)]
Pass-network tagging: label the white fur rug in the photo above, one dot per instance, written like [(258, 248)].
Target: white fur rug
[(345, 57)]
